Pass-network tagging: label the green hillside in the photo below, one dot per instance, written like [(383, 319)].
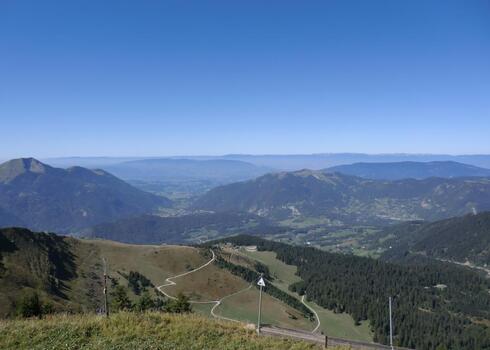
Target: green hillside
[(344, 199), (460, 239), (67, 273)]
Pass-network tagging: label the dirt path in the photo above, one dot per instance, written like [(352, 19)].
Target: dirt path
[(221, 300), (169, 282), (314, 312)]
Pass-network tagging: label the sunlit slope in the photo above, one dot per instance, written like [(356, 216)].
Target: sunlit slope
[(68, 272)]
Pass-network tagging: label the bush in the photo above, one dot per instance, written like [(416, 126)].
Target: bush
[(120, 300), (30, 305), (179, 305)]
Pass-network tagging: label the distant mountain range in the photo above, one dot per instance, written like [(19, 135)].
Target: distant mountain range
[(326, 160), (348, 199), (460, 239), (35, 195), (289, 162), (413, 170)]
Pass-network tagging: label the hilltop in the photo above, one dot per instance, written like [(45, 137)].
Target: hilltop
[(38, 196)]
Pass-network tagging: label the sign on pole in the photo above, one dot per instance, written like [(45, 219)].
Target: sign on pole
[(260, 283)]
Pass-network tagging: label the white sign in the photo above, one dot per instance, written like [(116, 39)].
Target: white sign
[(261, 282)]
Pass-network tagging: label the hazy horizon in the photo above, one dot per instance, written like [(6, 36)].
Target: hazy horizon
[(275, 162)]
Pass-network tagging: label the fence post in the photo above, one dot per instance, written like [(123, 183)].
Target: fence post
[(326, 341)]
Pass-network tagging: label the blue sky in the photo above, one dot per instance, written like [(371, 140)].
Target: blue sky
[(214, 77)]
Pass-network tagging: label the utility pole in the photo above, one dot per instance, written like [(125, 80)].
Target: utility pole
[(261, 283), (391, 325), (106, 306)]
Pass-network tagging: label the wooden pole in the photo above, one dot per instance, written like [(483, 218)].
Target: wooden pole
[(106, 306)]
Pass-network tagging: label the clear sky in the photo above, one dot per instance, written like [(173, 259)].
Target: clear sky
[(135, 78)]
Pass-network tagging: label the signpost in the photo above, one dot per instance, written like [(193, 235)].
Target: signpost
[(260, 283)]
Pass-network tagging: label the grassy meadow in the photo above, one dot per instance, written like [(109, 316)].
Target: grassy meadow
[(136, 331)]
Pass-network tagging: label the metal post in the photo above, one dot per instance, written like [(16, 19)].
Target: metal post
[(260, 309), (391, 325), (106, 306), (326, 341)]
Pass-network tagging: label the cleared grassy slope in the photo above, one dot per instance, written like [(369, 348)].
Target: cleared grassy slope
[(244, 307), (136, 331)]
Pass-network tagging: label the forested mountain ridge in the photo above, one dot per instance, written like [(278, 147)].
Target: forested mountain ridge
[(413, 170), (435, 305), (52, 199), (460, 239), (348, 199)]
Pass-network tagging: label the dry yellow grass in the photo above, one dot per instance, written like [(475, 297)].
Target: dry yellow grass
[(136, 331)]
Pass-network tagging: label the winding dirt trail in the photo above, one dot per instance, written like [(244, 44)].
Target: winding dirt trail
[(314, 312), (169, 282), (218, 303)]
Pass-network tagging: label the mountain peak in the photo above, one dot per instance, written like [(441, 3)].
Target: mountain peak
[(33, 165), (15, 167), (54, 199)]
